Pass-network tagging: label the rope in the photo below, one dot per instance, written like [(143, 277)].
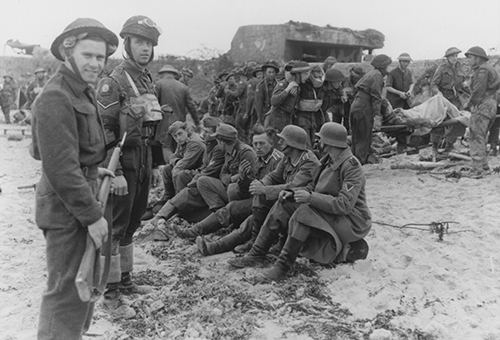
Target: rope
[(439, 228)]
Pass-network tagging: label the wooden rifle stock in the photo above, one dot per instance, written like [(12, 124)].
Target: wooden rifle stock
[(89, 281)]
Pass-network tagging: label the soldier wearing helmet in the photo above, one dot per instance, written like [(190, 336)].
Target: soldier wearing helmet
[(295, 170), (36, 86), (285, 96), (399, 83), (128, 103), (68, 138), (8, 96), (327, 220), (355, 74), (333, 90), (485, 83), (186, 76), (366, 109)]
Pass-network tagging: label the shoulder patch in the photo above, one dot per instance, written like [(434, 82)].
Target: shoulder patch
[(354, 161)]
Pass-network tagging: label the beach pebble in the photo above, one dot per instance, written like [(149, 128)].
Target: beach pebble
[(381, 334)]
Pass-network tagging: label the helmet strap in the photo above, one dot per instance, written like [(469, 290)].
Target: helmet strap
[(76, 71)]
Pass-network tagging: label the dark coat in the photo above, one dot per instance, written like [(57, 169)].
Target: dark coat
[(283, 107)]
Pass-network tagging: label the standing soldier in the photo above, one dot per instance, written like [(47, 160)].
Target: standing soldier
[(35, 87), (68, 138), (366, 109), (264, 90), (252, 86), (332, 95), (328, 63), (399, 82), (186, 76), (8, 95), (483, 106), (355, 74), (128, 104)]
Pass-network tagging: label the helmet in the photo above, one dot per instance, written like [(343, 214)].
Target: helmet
[(451, 51), (187, 72), (294, 136), (358, 70), (381, 61), (79, 29), (297, 66), (272, 64), (404, 57), (477, 51), (169, 68), (333, 134), (257, 69), (330, 60), (143, 27), (334, 75)]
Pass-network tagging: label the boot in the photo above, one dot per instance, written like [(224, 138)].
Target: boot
[(209, 225), (257, 255), (112, 295), (127, 286), (206, 248), (359, 251), (448, 147), (167, 211), (285, 261), (258, 217), (245, 247), (278, 246)]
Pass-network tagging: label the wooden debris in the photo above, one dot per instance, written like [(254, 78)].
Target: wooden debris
[(459, 156), (418, 165)]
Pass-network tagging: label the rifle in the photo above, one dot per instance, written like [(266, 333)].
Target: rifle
[(89, 281)]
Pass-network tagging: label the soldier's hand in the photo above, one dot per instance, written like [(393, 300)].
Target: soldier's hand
[(119, 186), (377, 123), (98, 232), (257, 188), (155, 177), (284, 195), (302, 196), (103, 172)]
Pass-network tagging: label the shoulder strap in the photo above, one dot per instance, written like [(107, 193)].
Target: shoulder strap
[(132, 84)]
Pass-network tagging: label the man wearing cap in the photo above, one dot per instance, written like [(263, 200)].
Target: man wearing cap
[(483, 106), (238, 210), (128, 104), (175, 94), (332, 95), (8, 95), (68, 138), (35, 87), (231, 95), (326, 220), (365, 109), (285, 96), (255, 79), (295, 169), (399, 82), (264, 90), (355, 74)]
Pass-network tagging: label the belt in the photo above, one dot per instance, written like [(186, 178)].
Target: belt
[(89, 171)]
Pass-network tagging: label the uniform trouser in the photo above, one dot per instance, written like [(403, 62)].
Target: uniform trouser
[(6, 113), (182, 179), (190, 205), (63, 316), (481, 119), (213, 191), (494, 133), (168, 183), (127, 210), (450, 133), (361, 129), (234, 212)]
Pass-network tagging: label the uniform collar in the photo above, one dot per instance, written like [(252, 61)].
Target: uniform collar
[(134, 70), (335, 164), (298, 159), (265, 159), (76, 84), (235, 150)]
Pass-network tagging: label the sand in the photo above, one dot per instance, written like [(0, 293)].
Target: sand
[(422, 287)]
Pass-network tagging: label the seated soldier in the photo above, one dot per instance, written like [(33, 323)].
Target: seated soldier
[(188, 156), (238, 210), (326, 221), (296, 169)]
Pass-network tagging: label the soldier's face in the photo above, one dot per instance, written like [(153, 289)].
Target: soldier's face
[(181, 136), (452, 59), (270, 73), (141, 49), (259, 75), (40, 75), (261, 145), (89, 57)]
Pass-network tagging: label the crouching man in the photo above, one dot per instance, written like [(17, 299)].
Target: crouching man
[(326, 221)]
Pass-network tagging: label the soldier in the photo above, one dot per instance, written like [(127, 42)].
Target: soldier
[(236, 211), (484, 84), (365, 109), (35, 87), (186, 76), (355, 74), (328, 63), (399, 83), (285, 96), (252, 86), (231, 95), (68, 138), (264, 90), (296, 169), (175, 94), (326, 221), (128, 104), (8, 95), (187, 156), (332, 95)]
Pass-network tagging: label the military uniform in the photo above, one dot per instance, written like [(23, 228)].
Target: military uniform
[(263, 93), (250, 104), (283, 107), (400, 80), (484, 84), (32, 92), (365, 107), (332, 102), (448, 79), (120, 113), (308, 114), (8, 96)]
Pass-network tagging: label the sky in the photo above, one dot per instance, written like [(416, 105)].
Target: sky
[(423, 28)]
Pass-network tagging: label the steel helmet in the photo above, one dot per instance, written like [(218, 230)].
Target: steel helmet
[(477, 51), (334, 75), (451, 51), (381, 61), (271, 64), (187, 72), (404, 57), (294, 136), (78, 30), (333, 134), (169, 68), (143, 27), (297, 66)]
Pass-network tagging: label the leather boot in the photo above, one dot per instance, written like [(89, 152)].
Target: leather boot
[(207, 248), (209, 225), (257, 255), (167, 211), (285, 261), (278, 246), (258, 217), (127, 286)]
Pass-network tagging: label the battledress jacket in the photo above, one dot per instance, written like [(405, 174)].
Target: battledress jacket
[(68, 137), (282, 109), (338, 206)]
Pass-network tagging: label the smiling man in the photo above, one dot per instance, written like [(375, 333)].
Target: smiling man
[(128, 104), (68, 138)]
